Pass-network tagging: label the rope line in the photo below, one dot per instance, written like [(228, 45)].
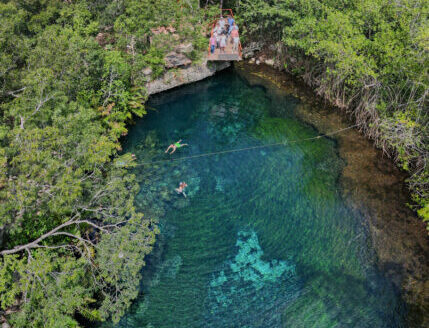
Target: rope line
[(284, 143)]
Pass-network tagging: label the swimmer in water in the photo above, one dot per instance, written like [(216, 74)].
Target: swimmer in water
[(181, 189), (175, 146)]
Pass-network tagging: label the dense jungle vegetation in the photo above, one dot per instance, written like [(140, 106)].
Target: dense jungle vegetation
[(72, 243)]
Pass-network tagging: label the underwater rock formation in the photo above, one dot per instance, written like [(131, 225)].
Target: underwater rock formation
[(171, 267), (248, 291)]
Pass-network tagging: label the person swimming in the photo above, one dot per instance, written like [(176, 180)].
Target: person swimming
[(181, 189), (175, 146)]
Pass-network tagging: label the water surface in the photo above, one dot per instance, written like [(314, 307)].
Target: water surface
[(264, 238)]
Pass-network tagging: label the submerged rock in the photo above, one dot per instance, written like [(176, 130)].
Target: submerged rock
[(151, 139), (248, 282), (218, 110), (248, 263), (171, 267), (193, 186), (181, 203), (220, 182)]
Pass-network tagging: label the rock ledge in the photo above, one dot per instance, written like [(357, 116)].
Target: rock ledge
[(178, 77)]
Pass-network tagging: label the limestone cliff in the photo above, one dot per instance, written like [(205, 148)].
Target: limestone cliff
[(185, 75)]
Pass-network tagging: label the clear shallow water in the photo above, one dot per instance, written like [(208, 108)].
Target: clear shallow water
[(264, 238)]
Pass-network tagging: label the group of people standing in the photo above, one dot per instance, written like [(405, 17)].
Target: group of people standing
[(226, 29)]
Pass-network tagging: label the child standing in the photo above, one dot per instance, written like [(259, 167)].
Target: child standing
[(222, 43), (217, 36), (212, 44)]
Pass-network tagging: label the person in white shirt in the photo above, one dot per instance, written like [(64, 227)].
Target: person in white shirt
[(217, 36), (222, 23), (217, 30), (222, 43)]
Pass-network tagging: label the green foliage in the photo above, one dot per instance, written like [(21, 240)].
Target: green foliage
[(135, 28), (424, 212), (71, 240), (57, 289), (66, 195), (154, 58)]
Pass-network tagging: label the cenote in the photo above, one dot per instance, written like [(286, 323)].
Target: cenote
[(265, 237)]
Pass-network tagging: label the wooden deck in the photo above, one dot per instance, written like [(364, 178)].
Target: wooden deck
[(228, 54)]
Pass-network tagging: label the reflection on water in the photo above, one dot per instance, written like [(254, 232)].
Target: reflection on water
[(264, 238)]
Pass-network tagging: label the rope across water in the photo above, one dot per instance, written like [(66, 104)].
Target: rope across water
[(284, 143)]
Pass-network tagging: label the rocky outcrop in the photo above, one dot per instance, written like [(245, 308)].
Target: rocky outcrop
[(104, 39), (147, 71), (184, 48), (174, 59), (253, 47), (270, 62), (183, 76), (163, 30), (178, 58), (5, 325)]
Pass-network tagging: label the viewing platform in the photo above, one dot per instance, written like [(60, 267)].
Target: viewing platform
[(229, 53)]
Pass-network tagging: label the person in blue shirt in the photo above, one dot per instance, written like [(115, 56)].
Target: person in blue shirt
[(230, 20), (232, 27)]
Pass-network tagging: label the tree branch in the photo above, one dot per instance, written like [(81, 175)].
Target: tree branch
[(56, 231)]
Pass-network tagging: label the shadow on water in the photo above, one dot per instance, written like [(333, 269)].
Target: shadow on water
[(265, 237)]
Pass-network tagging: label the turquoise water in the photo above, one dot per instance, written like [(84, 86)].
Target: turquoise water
[(264, 238)]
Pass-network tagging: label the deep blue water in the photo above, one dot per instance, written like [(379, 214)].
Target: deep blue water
[(264, 238)]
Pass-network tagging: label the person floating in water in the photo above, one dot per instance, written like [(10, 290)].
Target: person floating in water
[(175, 146), (181, 189)]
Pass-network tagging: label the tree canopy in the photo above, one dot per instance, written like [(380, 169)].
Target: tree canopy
[(72, 243)]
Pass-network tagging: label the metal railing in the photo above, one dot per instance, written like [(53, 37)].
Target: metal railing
[(213, 24)]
